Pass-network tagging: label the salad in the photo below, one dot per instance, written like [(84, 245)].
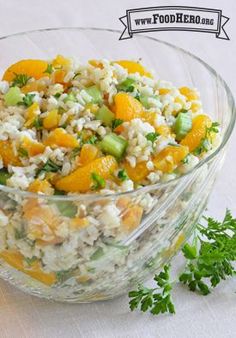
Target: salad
[(99, 128)]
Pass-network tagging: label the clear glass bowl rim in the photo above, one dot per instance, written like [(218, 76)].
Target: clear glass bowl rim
[(145, 189)]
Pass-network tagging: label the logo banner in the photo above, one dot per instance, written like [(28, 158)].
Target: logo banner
[(174, 18)]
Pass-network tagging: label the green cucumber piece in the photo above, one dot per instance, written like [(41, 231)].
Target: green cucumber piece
[(105, 115), (97, 254), (4, 175), (144, 100), (70, 97), (67, 208), (13, 96), (183, 124), (95, 94), (114, 145)]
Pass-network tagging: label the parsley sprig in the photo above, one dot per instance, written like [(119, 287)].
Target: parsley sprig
[(156, 300), (210, 259), (20, 80)]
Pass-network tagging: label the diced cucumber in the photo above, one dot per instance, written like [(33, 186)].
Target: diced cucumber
[(183, 124), (97, 254), (4, 175), (144, 100), (70, 97), (105, 115), (127, 85), (95, 94), (13, 96), (114, 145), (67, 208)]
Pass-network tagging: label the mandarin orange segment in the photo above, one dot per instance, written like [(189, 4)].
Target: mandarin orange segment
[(149, 117), (58, 76), (127, 107), (40, 186), (138, 173), (164, 91), (96, 63), (34, 86), (163, 130), (131, 219), (31, 113), (16, 260), (88, 153), (8, 155), (78, 223), (197, 133), (60, 61), (189, 93), (51, 120), (169, 158), (59, 137), (134, 67), (30, 67), (81, 181), (32, 147)]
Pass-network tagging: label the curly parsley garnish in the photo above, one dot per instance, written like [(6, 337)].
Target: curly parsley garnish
[(210, 258), (209, 261), (156, 300)]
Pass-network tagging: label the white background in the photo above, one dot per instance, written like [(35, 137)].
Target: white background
[(212, 316)]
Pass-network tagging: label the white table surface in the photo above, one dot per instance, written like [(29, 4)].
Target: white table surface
[(23, 316)]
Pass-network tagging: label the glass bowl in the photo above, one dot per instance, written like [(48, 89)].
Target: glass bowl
[(121, 239)]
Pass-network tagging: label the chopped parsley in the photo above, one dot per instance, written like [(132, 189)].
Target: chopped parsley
[(28, 99), (31, 260), (213, 128), (20, 233), (57, 95), (38, 123), (49, 166), (75, 152), (122, 175), (99, 182), (116, 123), (20, 80), (92, 140), (185, 160), (152, 137), (204, 146), (49, 69), (23, 152)]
